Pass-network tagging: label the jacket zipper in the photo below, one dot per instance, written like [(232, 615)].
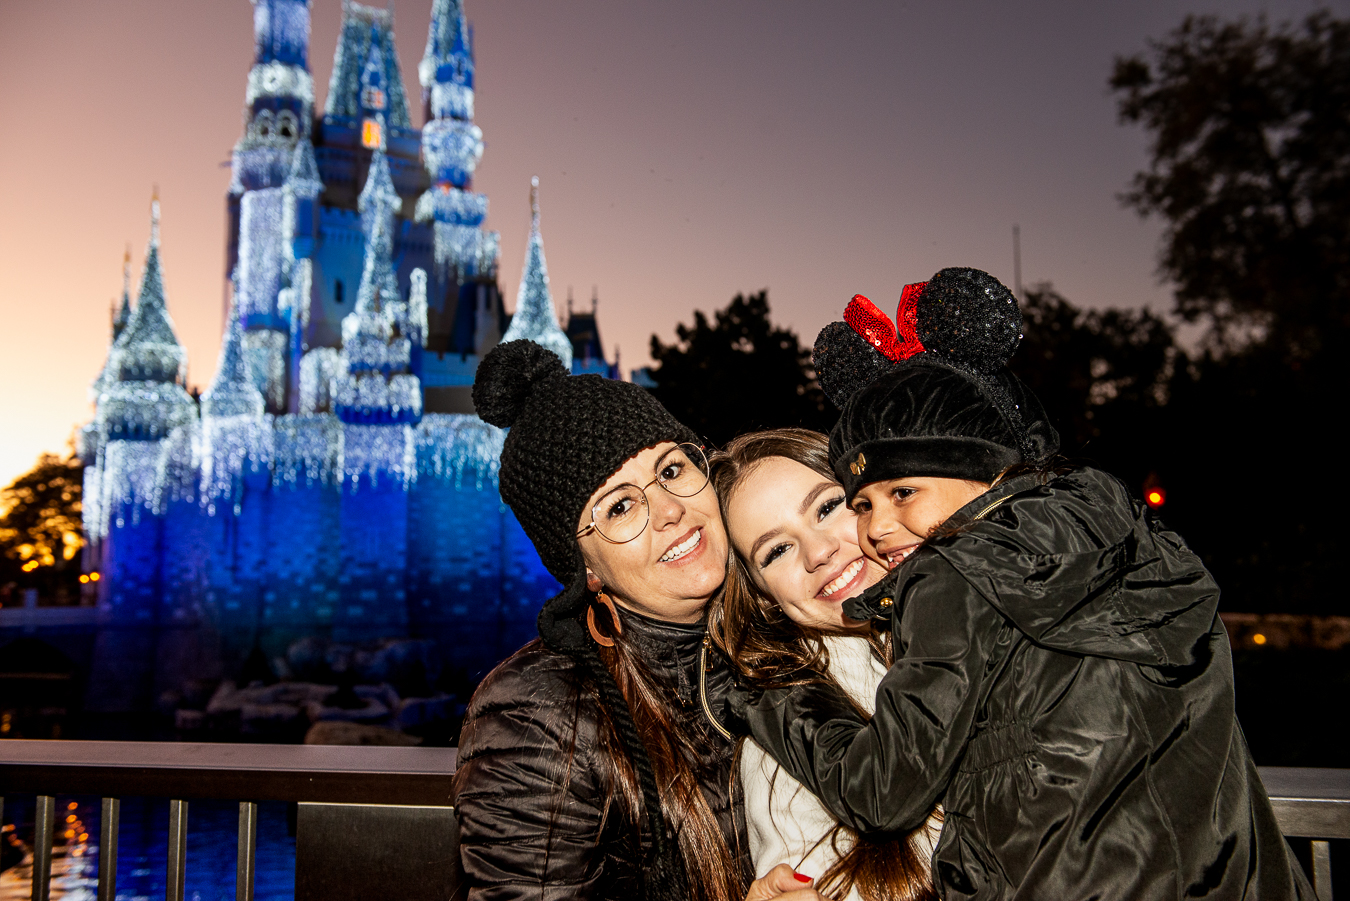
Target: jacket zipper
[(703, 688)]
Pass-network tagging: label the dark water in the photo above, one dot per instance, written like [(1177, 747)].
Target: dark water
[(142, 850)]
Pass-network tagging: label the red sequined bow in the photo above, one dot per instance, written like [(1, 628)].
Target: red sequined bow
[(907, 320), (876, 328)]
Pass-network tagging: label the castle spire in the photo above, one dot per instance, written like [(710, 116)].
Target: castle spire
[(123, 314), (379, 282), (378, 199), (141, 394), (303, 179), (154, 217), (352, 94), (452, 147), (232, 392), (147, 349), (535, 318)]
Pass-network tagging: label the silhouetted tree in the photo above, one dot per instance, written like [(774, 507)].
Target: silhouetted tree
[(1250, 170), (41, 532), (739, 373), (1098, 372)]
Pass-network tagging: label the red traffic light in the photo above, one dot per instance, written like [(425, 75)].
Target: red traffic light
[(1155, 497)]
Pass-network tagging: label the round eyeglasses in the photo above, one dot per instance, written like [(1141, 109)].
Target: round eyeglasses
[(621, 514)]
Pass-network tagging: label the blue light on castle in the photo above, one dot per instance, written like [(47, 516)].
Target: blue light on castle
[(332, 480)]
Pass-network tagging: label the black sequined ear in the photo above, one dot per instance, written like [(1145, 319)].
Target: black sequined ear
[(845, 363), (970, 317)]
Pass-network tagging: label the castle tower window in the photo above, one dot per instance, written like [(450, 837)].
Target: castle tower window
[(262, 123), (372, 98), (337, 291), (286, 124), (370, 133)]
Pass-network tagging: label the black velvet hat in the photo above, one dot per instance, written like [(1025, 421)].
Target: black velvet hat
[(931, 395)]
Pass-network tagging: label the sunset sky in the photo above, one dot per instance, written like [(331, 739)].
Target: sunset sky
[(686, 152)]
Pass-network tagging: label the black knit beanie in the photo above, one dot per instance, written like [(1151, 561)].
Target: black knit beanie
[(931, 394), (568, 435)]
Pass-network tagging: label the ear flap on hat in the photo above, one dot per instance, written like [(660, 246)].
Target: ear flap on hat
[(559, 622)]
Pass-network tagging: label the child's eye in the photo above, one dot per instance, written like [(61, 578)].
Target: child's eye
[(861, 506), (829, 507), (773, 554), (903, 494)]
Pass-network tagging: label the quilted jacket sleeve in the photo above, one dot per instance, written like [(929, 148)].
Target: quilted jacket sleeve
[(886, 774), (528, 799)]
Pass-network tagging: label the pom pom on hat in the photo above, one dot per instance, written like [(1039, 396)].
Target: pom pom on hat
[(508, 376)]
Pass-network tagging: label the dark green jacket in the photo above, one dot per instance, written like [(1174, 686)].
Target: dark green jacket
[(1063, 686)]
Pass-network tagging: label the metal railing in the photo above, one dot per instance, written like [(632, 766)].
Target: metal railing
[(1313, 804), (378, 822), (345, 795)]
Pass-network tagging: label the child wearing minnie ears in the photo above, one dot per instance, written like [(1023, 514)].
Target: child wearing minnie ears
[(1062, 683)]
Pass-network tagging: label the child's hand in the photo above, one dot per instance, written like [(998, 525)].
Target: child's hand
[(783, 884)]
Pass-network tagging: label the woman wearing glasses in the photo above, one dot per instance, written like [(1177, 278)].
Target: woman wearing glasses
[(591, 764)]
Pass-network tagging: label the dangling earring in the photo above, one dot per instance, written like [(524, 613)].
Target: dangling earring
[(616, 625)]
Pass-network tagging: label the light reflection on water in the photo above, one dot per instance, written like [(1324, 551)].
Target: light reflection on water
[(142, 851)]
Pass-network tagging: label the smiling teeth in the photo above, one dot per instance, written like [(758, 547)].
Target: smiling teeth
[(683, 548), (897, 557), (847, 576)]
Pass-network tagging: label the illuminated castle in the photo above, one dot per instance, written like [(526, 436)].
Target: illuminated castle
[(333, 479)]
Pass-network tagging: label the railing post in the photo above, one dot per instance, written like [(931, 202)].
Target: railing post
[(173, 887), (248, 845), (45, 821), (107, 849), (1321, 855)]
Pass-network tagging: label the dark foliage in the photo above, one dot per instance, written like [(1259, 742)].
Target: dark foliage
[(41, 532), (1097, 372), (1241, 443), (738, 374), (1250, 170)]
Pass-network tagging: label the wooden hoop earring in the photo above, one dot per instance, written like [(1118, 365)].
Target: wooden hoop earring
[(605, 601)]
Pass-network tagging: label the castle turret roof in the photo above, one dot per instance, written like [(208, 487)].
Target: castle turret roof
[(364, 27), (535, 318), (303, 179), (147, 349), (232, 392)]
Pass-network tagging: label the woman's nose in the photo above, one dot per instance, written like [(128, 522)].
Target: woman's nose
[(819, 549), (666, 509)]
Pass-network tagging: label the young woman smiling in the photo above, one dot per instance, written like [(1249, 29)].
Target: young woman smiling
[(796, 561)]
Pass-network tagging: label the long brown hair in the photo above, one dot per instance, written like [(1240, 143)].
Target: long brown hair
[(765, 645)]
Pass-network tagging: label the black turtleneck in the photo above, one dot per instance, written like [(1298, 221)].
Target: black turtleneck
[(674, 654)]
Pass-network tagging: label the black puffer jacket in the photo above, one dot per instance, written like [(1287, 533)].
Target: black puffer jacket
[(1063, 686), (537, 816)]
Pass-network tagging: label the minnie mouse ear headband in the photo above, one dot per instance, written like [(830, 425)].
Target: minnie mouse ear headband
[(929, 394)]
